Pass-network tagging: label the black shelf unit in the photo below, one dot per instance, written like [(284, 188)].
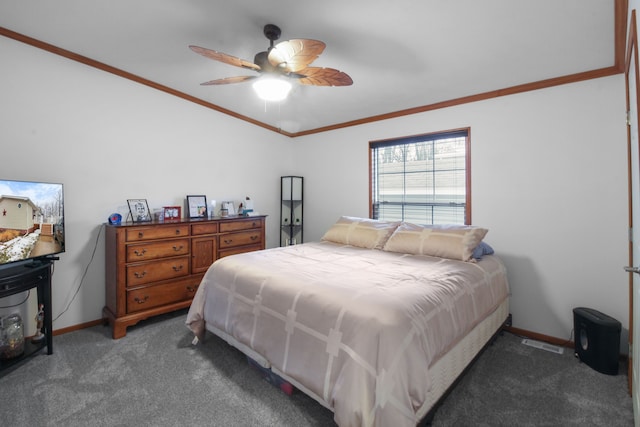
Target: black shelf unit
[(21, 278), (291, 200)]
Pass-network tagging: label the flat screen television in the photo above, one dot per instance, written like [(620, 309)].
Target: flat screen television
[(31, 221)]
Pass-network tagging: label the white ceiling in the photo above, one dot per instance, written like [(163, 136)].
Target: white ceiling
[(401, 54)]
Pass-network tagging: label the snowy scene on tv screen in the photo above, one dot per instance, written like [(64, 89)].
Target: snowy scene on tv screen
[(31, 220)]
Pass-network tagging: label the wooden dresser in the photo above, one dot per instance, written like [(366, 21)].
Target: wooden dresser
[(156, 267)]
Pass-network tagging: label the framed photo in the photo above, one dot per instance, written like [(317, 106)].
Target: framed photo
[(171, 212), (139, 210), (229, 208), (197, 206)]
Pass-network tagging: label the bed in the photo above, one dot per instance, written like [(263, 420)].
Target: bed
[(375, 321)]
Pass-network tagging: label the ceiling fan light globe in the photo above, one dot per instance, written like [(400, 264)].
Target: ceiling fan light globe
[(272, 89)]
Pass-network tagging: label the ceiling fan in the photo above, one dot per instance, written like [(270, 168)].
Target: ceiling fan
[(287, 60)]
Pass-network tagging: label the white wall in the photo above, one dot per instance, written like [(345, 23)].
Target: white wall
[(549, 180), (548, 175), (108, 140)]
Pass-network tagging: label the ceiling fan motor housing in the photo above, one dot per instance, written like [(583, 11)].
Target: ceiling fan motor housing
[(262, 59)]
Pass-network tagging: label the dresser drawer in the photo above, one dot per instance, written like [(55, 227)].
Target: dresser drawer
[(240, 239), (242, 224), (158, 232), (206, 228), (155, 250), (154, 296), (154, 271)]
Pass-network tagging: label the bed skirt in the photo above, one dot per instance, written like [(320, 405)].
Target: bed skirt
[(446, 370)]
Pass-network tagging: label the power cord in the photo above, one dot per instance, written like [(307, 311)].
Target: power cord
[(84, 275), (567, 342), (18, 304)]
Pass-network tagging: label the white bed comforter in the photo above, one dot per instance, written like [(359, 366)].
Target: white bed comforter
[(354, 328)]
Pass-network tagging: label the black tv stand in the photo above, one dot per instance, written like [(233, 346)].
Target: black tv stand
[(37, 262), (21, 278)]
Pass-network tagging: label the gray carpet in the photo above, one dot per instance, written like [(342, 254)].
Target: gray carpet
[(155, 377), (513, 384)]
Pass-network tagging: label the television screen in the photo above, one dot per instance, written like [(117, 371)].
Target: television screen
[(31, 220)]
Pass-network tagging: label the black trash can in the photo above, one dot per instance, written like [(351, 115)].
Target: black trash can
[(597, 340)]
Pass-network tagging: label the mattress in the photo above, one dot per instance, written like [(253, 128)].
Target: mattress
[(356, 329)]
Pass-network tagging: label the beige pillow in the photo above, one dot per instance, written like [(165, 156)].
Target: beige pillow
[(360, 232), (454, 242)]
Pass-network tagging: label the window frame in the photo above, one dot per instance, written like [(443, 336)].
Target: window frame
[(465, 132)]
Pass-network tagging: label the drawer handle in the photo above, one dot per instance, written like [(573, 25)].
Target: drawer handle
[(177, 267), (140, 253), (254, 224), (140, 275), (141, 300), (191, 289), (254, 237), (140, 234), (178, 248), (177, 231), (228, 241)]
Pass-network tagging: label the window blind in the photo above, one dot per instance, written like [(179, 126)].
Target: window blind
[(421, 179)]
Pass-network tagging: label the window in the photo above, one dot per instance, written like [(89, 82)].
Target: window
[(423, 179)]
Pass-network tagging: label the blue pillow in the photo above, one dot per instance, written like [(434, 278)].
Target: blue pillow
[(482, 249)]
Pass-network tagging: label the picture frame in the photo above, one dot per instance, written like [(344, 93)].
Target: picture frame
[(197, 206), (139, 210), (229, 208), (171, 213)]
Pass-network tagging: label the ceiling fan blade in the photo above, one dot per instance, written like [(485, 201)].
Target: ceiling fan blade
[(319, 76), (228, 80), (294, 55), (223, 57)]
